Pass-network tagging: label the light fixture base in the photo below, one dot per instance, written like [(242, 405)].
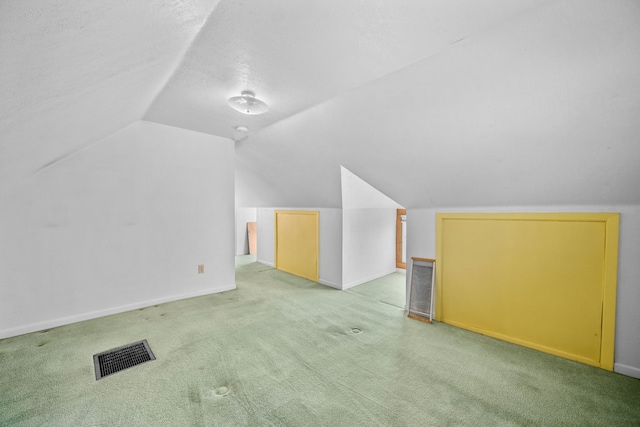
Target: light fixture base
[(247, 103)]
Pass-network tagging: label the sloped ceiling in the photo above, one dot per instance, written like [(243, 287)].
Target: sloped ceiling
[(433, 102), (72, 72), (540, 110), (296, 54)]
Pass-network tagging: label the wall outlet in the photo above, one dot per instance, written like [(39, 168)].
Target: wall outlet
[(200, 268)]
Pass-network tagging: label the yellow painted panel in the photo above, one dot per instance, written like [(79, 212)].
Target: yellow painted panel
[(296, 249), (538, 280)]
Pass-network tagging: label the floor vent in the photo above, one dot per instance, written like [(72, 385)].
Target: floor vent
[(121, 358)]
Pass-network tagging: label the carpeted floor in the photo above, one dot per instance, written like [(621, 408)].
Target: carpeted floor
[(283, 351)]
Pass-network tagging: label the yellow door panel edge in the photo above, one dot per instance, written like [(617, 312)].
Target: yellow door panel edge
[(609, 297), (301, 260), (610, 223), (525, 343)]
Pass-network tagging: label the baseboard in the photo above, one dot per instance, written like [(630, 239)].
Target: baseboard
[(54, 323), (368, 279), (330, 284), (629, 371), (270, 264)]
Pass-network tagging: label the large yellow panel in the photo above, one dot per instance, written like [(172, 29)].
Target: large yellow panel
[(296, 249), (538, 280)]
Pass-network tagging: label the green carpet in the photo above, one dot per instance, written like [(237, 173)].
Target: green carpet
[(283, 351)]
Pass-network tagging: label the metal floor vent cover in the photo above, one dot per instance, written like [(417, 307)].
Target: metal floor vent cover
[(121, 358)]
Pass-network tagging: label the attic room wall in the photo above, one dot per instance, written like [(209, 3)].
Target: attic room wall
[(120, 225), (330, 257), (421, 243), (368, 230), (369, 245)]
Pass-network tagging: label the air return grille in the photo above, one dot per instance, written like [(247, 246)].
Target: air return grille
[(121, 358)]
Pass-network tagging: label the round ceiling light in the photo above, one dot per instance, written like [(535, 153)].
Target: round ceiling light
[(247, 103)]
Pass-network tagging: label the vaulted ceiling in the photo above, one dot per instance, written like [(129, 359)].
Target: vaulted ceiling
[(434, 102)]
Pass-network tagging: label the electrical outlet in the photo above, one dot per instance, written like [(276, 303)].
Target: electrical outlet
[(200, 268)]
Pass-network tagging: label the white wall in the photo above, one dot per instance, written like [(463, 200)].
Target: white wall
[(369, 245), (330, 257), (266, 236), (244, 215), (421, 243), (120, 225), (369, 231), (331, 247)]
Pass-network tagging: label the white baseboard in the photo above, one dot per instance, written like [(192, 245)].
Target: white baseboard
[(269, 264), (330, 284), (629, 371), (61, 321), (368, 279)]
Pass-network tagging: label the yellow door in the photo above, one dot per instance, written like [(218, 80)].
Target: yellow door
[(546, 281), (296, 240)]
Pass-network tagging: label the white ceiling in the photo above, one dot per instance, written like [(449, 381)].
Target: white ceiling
[(538, 110), (73, 72), (296, 54), (434, 102)]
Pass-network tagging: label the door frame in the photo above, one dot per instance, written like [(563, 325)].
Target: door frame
[(399, 263)]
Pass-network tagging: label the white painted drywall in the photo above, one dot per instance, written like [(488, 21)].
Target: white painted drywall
[(421, 243), (119, 225), (331, 247), (539, 110), (243, 216), (359, 194), (369, 245), (266, 236), (330, 257), (75, 72), (298, 54), (369, 231)]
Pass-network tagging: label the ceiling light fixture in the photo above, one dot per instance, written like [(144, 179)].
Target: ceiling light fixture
[(241, 129), (247, 103)]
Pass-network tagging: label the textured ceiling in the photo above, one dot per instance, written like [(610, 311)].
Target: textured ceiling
[(540, 110), (434, 102), (296, 54), (73, 72)]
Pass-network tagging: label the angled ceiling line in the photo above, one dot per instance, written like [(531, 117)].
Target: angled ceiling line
[(59, 160), (178, 62), (491, 27), (358, 193)]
